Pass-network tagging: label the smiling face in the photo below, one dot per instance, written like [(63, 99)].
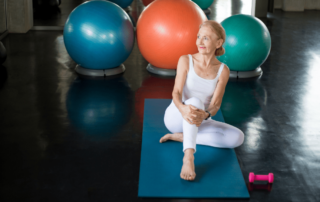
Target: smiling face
[(207, 41)]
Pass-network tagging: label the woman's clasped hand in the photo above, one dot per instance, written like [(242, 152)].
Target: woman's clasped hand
[(193, 115)]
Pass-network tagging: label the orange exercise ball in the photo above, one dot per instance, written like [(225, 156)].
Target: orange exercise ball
[(167, 29), (147, 2)]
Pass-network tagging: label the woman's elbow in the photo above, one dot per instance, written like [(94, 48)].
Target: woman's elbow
[(176, 93)]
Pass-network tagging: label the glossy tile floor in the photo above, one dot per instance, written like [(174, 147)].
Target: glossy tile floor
[(54, 15), (68, 138)]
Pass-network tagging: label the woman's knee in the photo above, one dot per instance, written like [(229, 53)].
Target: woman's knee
[(238, 138), (196, 102), (173, 120)]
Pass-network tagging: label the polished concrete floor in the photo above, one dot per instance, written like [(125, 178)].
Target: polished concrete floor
[(69, 138), (54, 15)]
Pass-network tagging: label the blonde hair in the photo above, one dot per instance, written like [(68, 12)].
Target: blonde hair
[(219, 31)]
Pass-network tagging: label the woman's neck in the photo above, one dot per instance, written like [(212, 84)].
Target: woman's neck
[(207, 60)]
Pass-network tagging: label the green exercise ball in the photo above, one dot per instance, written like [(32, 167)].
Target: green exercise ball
[(248, 43), (203, 4)]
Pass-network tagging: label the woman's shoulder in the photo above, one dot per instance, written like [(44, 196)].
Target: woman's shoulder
[(195, 56), (183, 63), (184, 57), (184, 60), (222, 65), (225, 73), (225, 67)]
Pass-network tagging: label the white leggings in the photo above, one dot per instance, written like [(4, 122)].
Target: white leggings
[(210, 132)]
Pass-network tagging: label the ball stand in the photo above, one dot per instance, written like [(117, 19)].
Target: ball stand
[(160, 71), (100, 72), (207, 11), (233, 74), (246, 74)]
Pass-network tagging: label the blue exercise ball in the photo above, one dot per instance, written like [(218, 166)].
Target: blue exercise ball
[(248, 42), (99, 35), (99, 108)]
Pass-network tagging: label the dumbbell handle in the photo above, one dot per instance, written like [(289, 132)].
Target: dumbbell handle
[(261, 177), (253, 177)]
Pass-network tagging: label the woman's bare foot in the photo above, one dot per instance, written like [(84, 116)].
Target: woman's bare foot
[(175, 137), (187, 171)]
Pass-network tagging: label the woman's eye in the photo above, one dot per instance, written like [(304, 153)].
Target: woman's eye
[(205, 38), (198, 37)]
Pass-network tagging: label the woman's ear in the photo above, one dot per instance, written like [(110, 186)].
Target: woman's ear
[(220, 42)]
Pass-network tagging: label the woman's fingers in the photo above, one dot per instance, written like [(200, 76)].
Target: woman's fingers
[(189, 120), (194, 122), (195, 118), (193, 107)]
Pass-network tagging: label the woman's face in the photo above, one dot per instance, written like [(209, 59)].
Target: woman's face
[(207, 41)]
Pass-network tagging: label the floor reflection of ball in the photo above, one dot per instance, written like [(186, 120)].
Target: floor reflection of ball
[(153, 88), (242, 100), (99, 108)]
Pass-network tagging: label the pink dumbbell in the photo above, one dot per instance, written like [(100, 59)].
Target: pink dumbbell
[(253, 177)]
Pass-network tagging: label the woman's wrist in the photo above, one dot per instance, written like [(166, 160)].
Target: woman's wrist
[(180, 106), (207, 115)]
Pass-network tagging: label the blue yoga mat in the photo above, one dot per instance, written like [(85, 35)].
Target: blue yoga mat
[(218, 171)]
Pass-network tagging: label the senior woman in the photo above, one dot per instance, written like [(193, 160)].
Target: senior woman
[(197, 95)]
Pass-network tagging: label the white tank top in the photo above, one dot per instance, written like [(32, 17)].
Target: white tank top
[(196, 86)]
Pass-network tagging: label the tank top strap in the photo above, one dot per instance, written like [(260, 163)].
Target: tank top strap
[(220, 69), (190, 62)]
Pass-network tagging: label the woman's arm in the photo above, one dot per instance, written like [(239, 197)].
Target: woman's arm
[(188, 112), (219, 92), (182, 71)]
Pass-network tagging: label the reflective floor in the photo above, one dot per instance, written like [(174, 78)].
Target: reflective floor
[(53, 15), (70, 138)]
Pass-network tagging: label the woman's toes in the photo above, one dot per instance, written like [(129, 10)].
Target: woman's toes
[(165, 138), (162, 139)]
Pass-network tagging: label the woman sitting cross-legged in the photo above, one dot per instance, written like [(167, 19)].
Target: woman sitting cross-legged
[(197, 95)]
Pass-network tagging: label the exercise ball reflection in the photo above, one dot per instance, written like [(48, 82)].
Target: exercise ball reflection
[(241, 101), (152, 88), (99, 108), (99, 35)]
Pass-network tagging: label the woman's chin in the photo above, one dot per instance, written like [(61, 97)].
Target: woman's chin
[(202, 51)]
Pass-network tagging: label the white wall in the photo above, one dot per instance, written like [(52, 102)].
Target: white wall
[(19, 16)]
